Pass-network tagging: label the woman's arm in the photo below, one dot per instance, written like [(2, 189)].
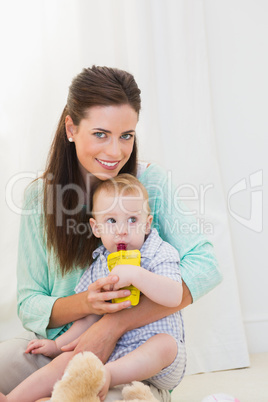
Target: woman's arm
[(93, 301), (147, 311), (102, 336), (34, 299), (69, 309), (177, 226)]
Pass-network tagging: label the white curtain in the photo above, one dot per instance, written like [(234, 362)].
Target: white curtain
[(44, 44)]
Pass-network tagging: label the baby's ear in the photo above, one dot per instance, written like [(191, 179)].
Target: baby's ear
[(148, 224), (94, 227)]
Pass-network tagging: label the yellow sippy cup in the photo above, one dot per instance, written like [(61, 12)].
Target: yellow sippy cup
[(125, 257)]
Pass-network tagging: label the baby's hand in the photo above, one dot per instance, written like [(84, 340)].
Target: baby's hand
[(126, 274), (46, 347)]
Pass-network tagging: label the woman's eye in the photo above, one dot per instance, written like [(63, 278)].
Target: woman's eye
[(127, 136), (100, 135), (111, 220), (132, 219)]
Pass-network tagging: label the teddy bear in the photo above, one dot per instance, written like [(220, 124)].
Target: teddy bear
[(85, 376)]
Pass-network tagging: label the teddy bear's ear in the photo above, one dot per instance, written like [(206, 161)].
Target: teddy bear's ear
[(138, 392)]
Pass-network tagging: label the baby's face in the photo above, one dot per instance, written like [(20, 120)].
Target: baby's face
[(120, 219)]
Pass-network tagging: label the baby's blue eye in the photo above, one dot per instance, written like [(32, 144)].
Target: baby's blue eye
[(111, 220), (99, 134), (127, 136), (132, 219)]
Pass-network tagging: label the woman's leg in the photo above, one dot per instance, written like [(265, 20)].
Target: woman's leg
[(15, 365), (40, 384), (115, 394), (155, 354)]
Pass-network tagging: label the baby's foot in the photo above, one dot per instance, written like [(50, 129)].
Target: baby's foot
[(3, 398)]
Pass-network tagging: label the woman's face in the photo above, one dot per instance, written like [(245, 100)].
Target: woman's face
[(104, 139)]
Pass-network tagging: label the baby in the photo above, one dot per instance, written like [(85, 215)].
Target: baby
[(154, 352)]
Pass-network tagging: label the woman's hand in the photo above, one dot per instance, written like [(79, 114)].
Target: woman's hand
[(98, 295), (99, 339), (93, 301)]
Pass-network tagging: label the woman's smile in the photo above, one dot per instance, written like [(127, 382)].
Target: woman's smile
[(108, 164)]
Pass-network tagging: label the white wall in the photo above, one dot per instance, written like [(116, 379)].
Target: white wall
[(237, 34)]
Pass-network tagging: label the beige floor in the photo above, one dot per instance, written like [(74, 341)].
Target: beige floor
[(247, 385)]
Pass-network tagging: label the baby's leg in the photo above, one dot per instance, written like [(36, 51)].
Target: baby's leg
[(144, 362), (40, 383)]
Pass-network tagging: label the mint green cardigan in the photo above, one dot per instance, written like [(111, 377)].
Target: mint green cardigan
[(39, 284)]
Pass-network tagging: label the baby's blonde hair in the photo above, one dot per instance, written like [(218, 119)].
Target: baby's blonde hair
[(123, 185)]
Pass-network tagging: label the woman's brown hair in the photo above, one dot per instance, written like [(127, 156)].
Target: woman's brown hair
[(96, 86)]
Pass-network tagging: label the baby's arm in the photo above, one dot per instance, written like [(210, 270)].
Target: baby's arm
[(76, 330), (158, 288), (52, 348)]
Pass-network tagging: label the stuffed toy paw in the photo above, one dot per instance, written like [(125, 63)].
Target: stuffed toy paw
[(137, 392), (82, 380)]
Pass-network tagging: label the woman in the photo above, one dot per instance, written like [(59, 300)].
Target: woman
[(95, 140)]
